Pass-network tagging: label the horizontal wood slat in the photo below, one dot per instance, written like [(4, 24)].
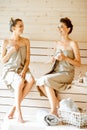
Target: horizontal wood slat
[(82, 45), (75, 97), (43, 51), (41, 62), (83, 53)]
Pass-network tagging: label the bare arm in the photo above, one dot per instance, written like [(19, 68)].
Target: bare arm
[(55, 48), (27, 59), (77, 60), (5, 55)]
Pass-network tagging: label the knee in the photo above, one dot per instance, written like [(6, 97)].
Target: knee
[(21, 84), (22, 81), (31, 81)]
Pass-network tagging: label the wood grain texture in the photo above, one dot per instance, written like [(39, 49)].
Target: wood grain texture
[(41, 17)]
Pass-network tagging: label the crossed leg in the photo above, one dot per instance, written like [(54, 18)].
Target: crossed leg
[(19, 97)]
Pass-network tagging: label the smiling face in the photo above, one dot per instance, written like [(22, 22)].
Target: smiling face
[(18, 28), (63, 29)]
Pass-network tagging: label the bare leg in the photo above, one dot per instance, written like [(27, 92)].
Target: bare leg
[(27, 88), (43, 90), (18, 97), (52, 99), (11, 112), (58, 98), (21, 96), (25, 91)]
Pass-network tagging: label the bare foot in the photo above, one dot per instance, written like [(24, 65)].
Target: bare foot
[(19, 117), (20, 120), (11, 113), (54, 113)]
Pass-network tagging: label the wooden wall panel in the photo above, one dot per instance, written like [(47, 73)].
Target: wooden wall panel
[(41, 17)]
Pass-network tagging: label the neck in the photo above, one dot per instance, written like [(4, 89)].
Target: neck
[(65, 38), (15, 37)]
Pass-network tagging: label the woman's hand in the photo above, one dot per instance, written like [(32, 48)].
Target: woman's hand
[(60, 57), (22, 74), (6, 56), (13, 49)]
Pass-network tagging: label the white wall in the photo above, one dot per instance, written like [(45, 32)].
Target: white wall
[(41, 17)]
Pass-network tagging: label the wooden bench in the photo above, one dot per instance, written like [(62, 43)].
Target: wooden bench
[(41, 55)]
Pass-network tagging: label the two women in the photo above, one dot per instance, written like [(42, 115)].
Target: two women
[(16, 59)]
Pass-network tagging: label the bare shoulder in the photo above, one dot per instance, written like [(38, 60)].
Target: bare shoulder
[(26, 41), (74, 44), (5, 42)]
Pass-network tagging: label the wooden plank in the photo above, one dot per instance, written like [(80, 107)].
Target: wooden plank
[(76, 90), (36, 50), (36, 103), (34, 110), (83, 60), (82, 105), (51, 44), (75, 97), (2, 115), (41, 18), (45, 49), (83, 53), (6, 93), (43, 44), (82, 45), (31, 95), (42, 52), (41, 59), (31, 110), (4, 108), (29, 102)]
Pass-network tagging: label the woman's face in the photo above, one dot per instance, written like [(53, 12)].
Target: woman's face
[(19, 28), (62, 28)]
